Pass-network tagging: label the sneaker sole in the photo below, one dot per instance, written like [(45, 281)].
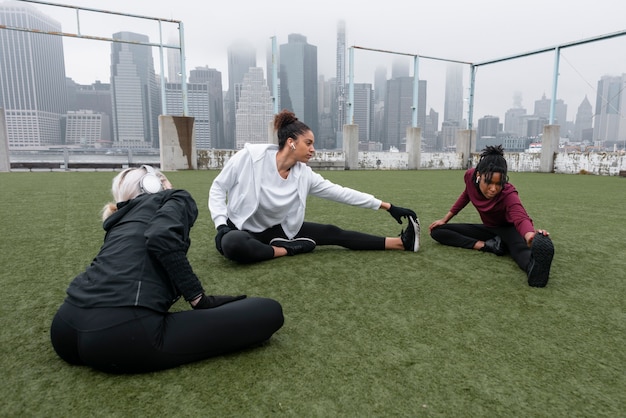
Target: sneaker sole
[(278, 240), (542, 251), (415, 223)]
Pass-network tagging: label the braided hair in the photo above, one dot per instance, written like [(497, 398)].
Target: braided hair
[(492, 161), (287, 125)]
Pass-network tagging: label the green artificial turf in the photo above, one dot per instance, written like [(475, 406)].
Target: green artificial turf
[(444, 332)]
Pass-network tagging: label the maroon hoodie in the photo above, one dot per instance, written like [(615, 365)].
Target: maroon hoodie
[(504, 209)]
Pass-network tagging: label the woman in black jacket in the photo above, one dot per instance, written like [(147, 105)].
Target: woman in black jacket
[(115, 317)]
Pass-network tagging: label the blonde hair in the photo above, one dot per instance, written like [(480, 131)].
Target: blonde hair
[(126, 186)]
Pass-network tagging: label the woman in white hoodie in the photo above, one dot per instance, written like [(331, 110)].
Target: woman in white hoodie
[(258, 202)]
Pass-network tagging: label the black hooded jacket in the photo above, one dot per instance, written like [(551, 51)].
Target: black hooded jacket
[(143, 260)]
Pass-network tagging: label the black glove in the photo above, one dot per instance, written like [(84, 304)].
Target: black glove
[(397, 212), (208, 302), (221, 231)]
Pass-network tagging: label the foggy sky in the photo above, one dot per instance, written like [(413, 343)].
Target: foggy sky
[(475, 31)]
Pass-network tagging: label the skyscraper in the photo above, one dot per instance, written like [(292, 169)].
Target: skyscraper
[(174, 74), (610, 99), (241, 57), (488, 126), (94, 98), (542, 110), (340, 116), (134, 92), (364, 110), (583, 129), (399, 110), (254, 110), (453, 103), (298, 79), (205, 104), (32, 77)]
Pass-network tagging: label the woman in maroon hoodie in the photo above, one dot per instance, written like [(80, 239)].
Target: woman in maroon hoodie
[(506, 226)]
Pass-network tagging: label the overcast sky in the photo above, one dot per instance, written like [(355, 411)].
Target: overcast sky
[(476, 31)]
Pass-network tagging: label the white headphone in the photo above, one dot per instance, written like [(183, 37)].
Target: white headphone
[(292, 146), (150, 183)]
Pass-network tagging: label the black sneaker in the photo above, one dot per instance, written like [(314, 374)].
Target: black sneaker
[(411, 235), (294, 246), (494, 245), (542, 251)]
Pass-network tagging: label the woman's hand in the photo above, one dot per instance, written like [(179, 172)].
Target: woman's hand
[(529, 236), (436, 223)]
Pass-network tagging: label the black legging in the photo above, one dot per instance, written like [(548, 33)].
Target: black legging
[(252, 247), (137, 340), (466, 235)]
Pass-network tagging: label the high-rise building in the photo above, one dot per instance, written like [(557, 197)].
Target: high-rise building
[(453, 103), (215, 106), (542, 110), (583, 128), (364, 110), (204, 102), (241, 57), (96, 98), (610, 99), (298, 79), (174, 68), (134, 92), (514, 121), (340, 117), (399, 110), (488, 126), (325, 138), (380, 83), (254, 109), (87, 129), (32, 77)]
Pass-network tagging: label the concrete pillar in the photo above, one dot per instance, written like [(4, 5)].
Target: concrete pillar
[(549, 146), (465, 145), (5, 163), (351, 146), (178, 143), (414, 147)]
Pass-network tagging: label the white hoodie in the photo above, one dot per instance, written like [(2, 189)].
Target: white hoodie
[(234, 192)]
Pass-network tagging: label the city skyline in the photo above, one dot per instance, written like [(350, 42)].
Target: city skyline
[(297, 72), (449, 29)]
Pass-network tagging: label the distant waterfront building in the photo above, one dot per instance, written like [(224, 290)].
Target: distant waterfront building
[(241, 57), (449, 130), (325, 138), (610, 103), (255, 110), (204, 102), (514, 121), (542, 110), (453, 103), (136, 100), (87, 128), (214, 116), (363, 110), (94, 97), (380, 83), (174, 70), (339, 118), (488, 126), (32, 77), (583, 129), (298, 79), (399, 110), (430, 131)]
